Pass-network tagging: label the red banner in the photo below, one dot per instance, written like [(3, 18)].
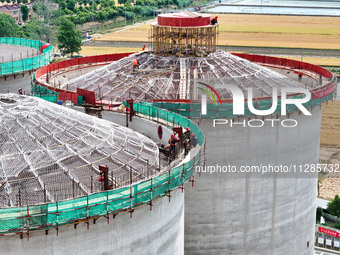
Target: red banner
[(89, 96), (325, 92), (64, 96), (329, 232)]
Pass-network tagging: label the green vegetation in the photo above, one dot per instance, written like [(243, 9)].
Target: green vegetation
[(9, 28), (334, 69), (334, 206), (318, 214), (69, 38), (47, 18), (24, 11)]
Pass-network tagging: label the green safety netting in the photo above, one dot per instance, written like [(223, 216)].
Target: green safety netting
[(226, 110), (23, 219), (26, 64), (49, 95)]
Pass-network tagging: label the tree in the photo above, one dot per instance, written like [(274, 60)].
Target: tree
[(69, 38), (9, 28), (334, 206), (71, 5), (62, 5), (41, 9), (24, 11)]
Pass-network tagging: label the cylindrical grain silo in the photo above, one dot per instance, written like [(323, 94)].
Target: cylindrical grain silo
[(75, 184)]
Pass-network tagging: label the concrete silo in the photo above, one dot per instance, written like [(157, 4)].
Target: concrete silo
[(75, 184), (266, 203)]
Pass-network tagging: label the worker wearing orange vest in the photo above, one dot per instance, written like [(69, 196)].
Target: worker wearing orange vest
[(172, 143), (136, 64)]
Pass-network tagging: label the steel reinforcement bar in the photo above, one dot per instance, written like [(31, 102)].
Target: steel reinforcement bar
[(19, 220), (321, 94)]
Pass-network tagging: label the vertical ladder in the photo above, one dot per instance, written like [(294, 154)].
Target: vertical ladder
[(183, 80)]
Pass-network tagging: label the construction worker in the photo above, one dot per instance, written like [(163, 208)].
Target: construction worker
[(193, 141), (172, 143), (136, 64), (214, 20), (187, 134), (144, 47)]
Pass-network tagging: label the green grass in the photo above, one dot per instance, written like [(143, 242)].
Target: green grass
[(280, 30)]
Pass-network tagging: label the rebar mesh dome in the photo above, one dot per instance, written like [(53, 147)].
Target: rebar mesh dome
[(172, 77), (50, 153)]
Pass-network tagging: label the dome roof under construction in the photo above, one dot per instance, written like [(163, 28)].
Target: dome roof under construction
[(173, 77), (50, 153)]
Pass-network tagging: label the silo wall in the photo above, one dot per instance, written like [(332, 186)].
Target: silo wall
[(160, 231), (255, 213)]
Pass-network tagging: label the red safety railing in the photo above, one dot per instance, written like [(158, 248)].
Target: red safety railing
[(297, 65), (290, 64), (80, 61)]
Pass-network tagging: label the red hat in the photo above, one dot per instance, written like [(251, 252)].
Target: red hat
[(188, 129), (144, 45), (216, 17), (127, 108), (101, 178), (172, 136), (137, 59), (192, 134)]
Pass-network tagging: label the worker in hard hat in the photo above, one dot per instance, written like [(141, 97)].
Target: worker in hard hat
[(136, 64), (144, 47), (193, 141), (187, 134), (213, 20), (172, 141)]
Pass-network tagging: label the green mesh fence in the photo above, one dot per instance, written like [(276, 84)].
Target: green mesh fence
[(23, 219), (226, 110), (49, 95), (26, 64)]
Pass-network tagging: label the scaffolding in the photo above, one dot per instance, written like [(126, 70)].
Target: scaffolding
[(52, 153), (184, 41)]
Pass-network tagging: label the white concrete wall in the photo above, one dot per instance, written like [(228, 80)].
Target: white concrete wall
[(249, 214), (143, 126), (71, 74), (160, 231)]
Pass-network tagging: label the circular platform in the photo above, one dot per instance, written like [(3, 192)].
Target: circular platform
[(184, 19)]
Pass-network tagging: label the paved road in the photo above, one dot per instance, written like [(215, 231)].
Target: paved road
[(322, 251)]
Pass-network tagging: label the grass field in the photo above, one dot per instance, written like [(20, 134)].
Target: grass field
[(260, 30)]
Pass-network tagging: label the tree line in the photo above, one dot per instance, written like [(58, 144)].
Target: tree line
[(46, 23)]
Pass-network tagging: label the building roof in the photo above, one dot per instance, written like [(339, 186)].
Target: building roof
[(51, 153), (172, 77), (8, 7)]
